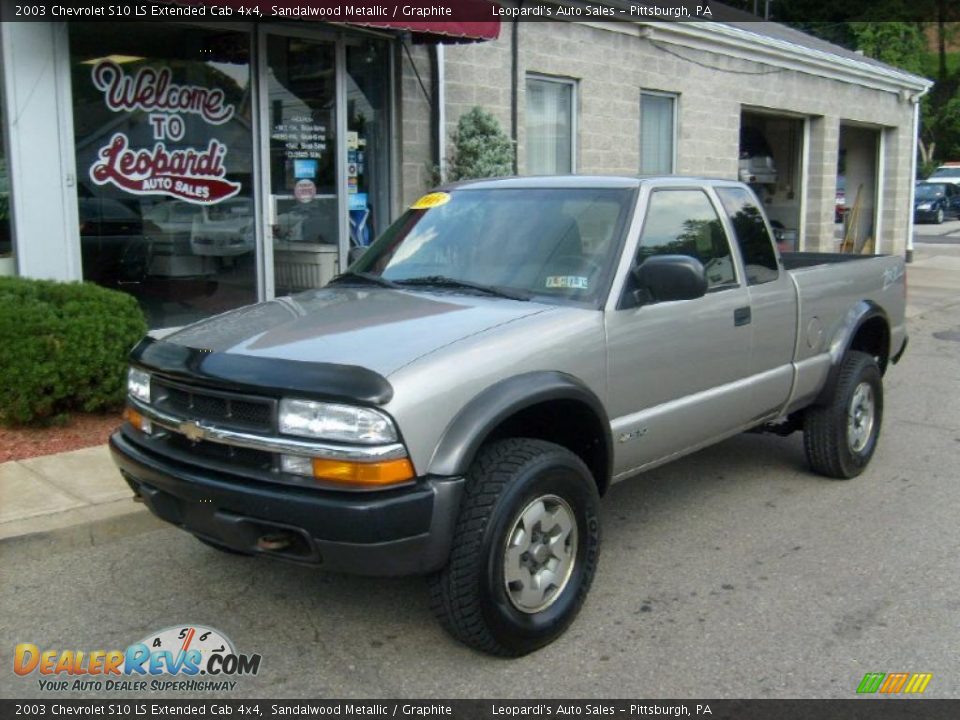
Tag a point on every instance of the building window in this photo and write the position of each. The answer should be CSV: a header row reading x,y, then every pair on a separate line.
x,y
551,126
658,126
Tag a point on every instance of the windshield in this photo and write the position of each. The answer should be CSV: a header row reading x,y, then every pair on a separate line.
x,y
929,192
558,244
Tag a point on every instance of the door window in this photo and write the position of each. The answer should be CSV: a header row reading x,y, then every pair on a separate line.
x,y
684,222
303,205
756,246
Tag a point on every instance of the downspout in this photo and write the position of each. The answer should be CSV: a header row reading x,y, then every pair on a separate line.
x,y
913,171
441,113
514,87
436,131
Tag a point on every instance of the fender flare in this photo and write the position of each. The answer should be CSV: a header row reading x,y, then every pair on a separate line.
x,y
466,433
855,319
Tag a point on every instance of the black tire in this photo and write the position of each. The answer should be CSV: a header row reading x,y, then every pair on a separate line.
x,y
827,442
939,217
221,548
470,596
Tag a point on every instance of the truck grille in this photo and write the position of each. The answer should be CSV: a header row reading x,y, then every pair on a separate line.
x,y
255,460
225,409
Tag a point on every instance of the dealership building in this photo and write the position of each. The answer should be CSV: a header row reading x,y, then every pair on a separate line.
x,y
203,165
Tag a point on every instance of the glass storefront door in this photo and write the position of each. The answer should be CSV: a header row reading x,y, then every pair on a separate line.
x,y
303,205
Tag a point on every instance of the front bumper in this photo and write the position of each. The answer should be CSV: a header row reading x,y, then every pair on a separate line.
x,y
406,531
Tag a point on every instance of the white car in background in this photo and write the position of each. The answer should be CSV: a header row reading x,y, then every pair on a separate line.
x,y
221,230
946,173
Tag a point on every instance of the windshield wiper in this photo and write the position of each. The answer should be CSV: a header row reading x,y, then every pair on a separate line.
x,y
444,281
364,277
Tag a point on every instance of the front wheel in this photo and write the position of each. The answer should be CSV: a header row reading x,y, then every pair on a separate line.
x,y
939,218
839,438
524,550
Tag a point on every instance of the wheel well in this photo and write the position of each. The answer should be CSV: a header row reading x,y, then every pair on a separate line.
x,y
873,338
568,423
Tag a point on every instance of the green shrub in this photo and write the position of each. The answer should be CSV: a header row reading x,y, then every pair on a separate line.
x,y
481,148
63,347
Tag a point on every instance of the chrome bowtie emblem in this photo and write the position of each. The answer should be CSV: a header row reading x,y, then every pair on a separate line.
x,y
191,430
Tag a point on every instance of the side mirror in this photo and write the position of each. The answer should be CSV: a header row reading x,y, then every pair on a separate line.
x,y
355,254
669,277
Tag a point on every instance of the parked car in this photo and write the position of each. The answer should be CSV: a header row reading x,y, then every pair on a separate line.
x,y
840,200
116,242
457,402
756,158
224,229
933,202
946,173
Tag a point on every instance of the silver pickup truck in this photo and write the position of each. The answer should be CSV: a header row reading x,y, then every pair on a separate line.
x,y
457,402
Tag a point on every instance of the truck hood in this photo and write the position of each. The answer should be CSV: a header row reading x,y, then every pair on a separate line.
x,y
377,328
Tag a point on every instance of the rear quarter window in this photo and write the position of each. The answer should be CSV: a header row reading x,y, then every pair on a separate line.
x,y
756,246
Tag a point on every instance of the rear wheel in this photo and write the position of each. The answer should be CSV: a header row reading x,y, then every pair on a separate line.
x,y
839,439
524,551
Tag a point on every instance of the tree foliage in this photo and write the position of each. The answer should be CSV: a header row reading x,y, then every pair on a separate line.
x,y
481,148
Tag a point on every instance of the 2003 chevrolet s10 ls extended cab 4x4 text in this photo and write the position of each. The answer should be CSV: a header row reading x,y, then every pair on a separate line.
x,y
457,402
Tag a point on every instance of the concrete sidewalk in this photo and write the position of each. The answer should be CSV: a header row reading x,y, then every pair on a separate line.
x,y
57,491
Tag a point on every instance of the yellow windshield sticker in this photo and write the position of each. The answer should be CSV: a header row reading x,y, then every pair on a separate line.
x,y
431,200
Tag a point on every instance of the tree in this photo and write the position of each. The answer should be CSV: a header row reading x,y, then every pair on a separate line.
x,y
481,148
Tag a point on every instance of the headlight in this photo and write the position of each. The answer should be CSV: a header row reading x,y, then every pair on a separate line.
x,y
924,206
331,421
138,384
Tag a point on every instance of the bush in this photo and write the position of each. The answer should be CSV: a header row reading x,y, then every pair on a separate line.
x,y
63,347
481,148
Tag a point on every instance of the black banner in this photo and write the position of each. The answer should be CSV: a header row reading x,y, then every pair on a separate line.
x,y
389,12
854,709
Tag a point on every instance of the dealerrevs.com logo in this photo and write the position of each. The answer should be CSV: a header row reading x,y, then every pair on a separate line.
x,y
181,657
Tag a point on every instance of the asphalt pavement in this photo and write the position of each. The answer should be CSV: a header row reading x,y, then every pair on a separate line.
x,y
735,572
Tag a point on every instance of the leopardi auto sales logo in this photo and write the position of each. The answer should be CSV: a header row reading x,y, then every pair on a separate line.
x,y
181,657
196,175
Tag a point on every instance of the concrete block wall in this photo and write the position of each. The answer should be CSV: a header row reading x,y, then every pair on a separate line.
x,y
612,64
414,122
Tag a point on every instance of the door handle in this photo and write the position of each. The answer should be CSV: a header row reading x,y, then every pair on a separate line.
x,y
741,316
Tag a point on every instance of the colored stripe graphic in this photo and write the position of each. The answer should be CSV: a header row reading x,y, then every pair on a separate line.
x,y
918,682
894,682
871,682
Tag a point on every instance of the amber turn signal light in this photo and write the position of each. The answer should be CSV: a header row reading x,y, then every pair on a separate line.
x,y
137,420
375,474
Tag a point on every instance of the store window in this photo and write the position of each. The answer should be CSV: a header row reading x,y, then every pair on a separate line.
x,y
658,113
164,150
368,138
550,126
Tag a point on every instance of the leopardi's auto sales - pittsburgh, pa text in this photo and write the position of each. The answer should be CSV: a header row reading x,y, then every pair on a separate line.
x,y
356,12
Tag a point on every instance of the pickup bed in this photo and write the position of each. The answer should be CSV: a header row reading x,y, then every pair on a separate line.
x,y
457,402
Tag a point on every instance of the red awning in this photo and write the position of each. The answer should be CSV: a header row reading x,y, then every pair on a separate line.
x,y
445,32
450,20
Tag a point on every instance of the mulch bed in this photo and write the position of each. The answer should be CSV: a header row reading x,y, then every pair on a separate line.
x,y
82,430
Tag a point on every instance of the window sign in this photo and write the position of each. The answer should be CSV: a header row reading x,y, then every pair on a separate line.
x,y
195,174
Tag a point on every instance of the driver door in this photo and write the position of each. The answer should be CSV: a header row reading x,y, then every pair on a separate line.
x,y
676,369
